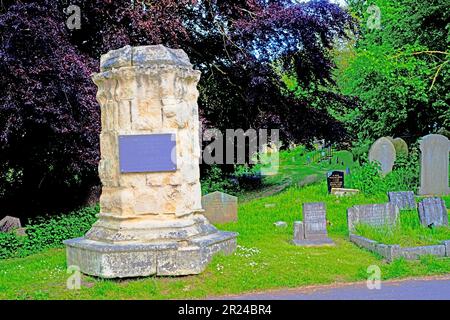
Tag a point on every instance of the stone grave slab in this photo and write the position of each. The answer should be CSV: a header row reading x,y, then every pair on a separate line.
x,y
433,212
377,215
405,200
312,231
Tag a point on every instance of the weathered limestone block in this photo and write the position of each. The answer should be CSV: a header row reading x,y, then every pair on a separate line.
x,y
145,115
150,219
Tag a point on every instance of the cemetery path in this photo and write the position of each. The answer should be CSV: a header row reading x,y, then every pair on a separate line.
x,y
431,288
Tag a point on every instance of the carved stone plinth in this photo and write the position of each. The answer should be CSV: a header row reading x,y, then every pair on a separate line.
x,y
151,219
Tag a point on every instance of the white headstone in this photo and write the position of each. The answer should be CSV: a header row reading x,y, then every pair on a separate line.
x,y
434,165
383,151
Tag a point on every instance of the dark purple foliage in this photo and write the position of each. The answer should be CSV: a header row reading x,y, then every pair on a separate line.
x,y
48,113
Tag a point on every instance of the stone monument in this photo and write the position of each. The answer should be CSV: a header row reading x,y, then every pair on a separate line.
x,y
401,147
404,200
383,151
312,231
377,215
434,149
335,180
220,207
9,223
433,212
150,220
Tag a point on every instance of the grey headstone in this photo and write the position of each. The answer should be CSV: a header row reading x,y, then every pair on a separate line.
x,y
313,229
433,212
220,207
383,151
434,165
404,200
377,215
401,147
9,223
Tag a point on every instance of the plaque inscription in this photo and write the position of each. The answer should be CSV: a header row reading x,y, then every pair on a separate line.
x,y
147,153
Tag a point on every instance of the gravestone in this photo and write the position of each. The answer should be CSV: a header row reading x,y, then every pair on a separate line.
x,y
343,192
433,212
404,200
312,231
383,151
401,147
9,223
434,149
335,179
151,219
220,207
376,215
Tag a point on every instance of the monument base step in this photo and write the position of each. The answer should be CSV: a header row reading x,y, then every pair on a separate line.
x,y
108,260
314,243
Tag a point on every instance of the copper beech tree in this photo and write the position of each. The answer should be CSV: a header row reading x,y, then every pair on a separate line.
x,y
49,117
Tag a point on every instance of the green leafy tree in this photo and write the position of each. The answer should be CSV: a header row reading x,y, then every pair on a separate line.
x,y
398,69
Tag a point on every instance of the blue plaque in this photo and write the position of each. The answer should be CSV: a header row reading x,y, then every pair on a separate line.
x,y
147,153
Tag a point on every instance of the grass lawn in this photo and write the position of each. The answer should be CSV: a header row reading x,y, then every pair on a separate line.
x,y
289,173
264,260
408,233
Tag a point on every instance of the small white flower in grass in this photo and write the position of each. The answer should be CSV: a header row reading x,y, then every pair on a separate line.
x,y
246,252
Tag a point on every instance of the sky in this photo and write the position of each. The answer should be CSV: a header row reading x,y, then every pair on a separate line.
x,y
341,2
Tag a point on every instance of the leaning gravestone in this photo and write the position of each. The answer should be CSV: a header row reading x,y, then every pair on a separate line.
x,y
376,215
335,180
434,165
433,212
150,220
404,200
220,207
312,231
383,151
9,223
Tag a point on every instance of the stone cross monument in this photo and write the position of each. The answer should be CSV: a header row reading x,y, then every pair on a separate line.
x,y
150,221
